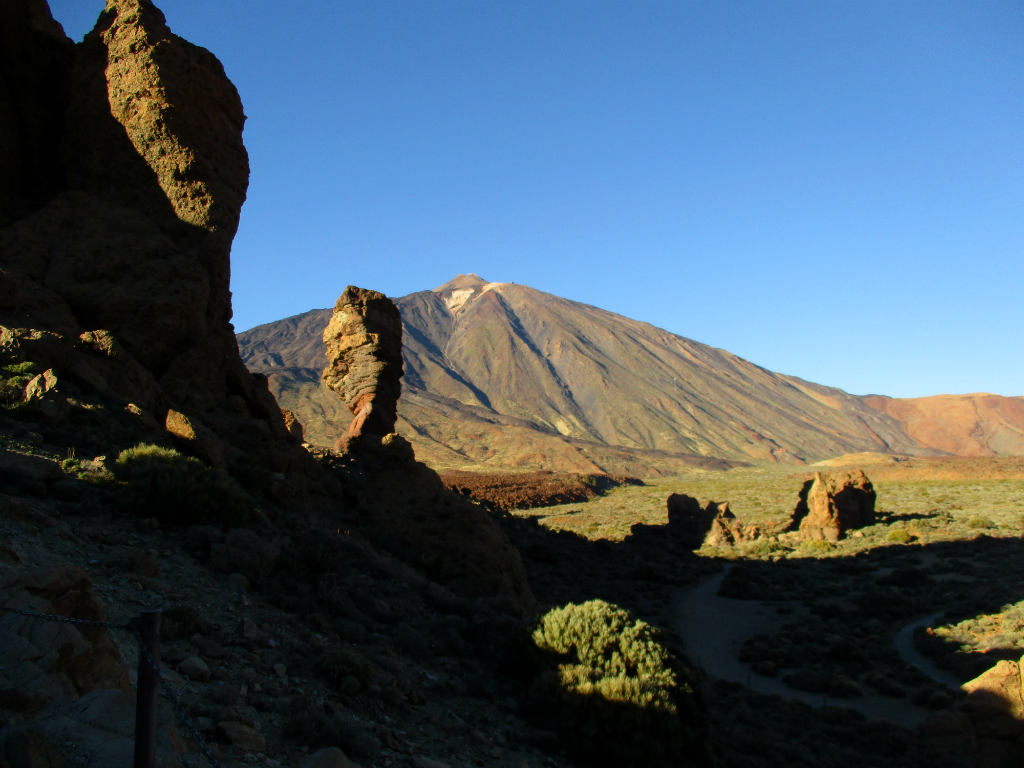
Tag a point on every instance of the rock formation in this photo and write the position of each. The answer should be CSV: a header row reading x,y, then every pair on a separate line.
x,y
832,503
364,361
687,519
987,729
122,175
726,528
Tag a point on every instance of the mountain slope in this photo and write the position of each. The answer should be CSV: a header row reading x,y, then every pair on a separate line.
x,y
501,375
964,425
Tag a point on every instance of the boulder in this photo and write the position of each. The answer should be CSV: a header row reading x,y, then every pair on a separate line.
x,y
242,737
47,662
832,503
995,700
711,524
364,361
688,520
987,729
726,528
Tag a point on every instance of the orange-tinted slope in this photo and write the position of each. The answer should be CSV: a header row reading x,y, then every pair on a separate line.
x,y
964,425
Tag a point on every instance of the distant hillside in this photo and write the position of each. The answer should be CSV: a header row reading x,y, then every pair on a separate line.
x,y
502,376
962,425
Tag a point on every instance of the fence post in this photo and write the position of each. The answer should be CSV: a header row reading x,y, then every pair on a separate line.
x,y
148,682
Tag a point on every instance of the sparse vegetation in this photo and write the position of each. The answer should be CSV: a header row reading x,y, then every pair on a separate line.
x,y
163,483
14,377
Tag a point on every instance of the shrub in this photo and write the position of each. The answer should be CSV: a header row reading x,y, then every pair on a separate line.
x,y
817,547
617,691
980,522
178,489
13,380
610,653
899,536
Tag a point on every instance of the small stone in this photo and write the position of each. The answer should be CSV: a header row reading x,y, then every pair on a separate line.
x,y
248,629
281,671
242,736
238,583
332,757
194,668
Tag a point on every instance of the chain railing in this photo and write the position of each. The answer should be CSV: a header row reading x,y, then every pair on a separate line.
x,y
146,628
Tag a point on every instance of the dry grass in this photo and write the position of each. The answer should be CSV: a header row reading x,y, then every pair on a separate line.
x,y
920,501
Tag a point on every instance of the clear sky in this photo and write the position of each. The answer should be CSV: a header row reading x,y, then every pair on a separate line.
x,y
832,189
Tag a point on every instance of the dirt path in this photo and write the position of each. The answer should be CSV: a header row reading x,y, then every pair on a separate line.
x,y
904,641
714,627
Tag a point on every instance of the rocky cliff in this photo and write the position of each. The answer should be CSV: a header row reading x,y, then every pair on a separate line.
x,y
122,179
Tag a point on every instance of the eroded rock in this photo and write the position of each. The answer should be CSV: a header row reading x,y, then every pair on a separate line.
x,y
364,361
832,503
727,529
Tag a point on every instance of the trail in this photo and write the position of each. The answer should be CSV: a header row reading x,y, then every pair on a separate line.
x,y
714,628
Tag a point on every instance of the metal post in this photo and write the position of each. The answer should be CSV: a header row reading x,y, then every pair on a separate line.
x,y
145,697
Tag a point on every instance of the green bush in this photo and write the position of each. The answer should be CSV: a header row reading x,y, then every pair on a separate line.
x,y
19,369
610,654
899,536
160,482
13,380
620,696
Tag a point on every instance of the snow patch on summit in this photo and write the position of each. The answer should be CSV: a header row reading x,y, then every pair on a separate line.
x,y
458,298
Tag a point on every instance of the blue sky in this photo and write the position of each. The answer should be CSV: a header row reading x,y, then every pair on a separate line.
x,y
832,189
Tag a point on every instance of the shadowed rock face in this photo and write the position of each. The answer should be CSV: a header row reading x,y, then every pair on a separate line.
x,y
364,361
832,503
122,176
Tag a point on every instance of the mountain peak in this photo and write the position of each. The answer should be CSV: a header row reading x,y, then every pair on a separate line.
x,y
461,282
462,288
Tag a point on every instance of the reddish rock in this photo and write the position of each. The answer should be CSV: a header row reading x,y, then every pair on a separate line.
x,y
294,426
54,660
832,503
726,528
194,438
987,729
995,700
364,361
180,112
